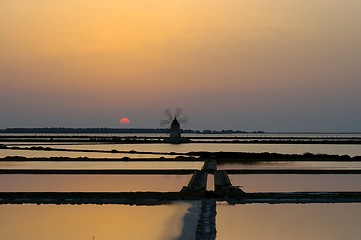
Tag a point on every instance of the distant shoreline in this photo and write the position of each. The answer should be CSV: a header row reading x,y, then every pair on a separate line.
x,y
51,138
63,130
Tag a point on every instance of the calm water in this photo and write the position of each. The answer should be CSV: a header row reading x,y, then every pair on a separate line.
x,y
254,221
59,222
92,183
297,182
351,150
100,165
289,221
291,165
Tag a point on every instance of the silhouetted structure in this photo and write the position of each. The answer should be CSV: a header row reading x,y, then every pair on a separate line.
x,y
175,130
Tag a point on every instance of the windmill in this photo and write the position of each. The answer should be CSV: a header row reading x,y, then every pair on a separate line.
x,y
173,121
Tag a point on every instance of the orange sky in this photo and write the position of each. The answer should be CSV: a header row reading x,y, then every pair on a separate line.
x,y
275,66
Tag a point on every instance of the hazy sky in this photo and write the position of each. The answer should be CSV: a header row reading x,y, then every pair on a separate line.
x,y
273,65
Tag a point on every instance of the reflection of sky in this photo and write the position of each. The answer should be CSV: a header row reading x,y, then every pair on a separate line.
x,y
297,182
100,165
289,221
291,165
89,222
341,149
92,183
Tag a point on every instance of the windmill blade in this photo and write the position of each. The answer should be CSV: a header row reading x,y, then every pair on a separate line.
x,y
178,112
164,123
169,114
183,120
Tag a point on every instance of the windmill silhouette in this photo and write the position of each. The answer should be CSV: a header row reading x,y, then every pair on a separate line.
x,y
174,121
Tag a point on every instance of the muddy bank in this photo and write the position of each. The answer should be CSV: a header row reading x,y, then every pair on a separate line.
x,y
159,198
41,148
206,227
128,198
293,171
86,159
297,197
101,171
229,157
220,157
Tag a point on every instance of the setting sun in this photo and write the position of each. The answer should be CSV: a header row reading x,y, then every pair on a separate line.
x,y
124,120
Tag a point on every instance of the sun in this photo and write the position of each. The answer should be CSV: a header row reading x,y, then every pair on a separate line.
x,y
124,120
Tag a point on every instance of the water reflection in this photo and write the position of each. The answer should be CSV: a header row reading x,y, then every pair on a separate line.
x,y
59,222
100,165
92,183
339,149
289,221
297,183
292,165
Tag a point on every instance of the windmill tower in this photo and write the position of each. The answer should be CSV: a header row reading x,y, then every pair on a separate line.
x,y
174,120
